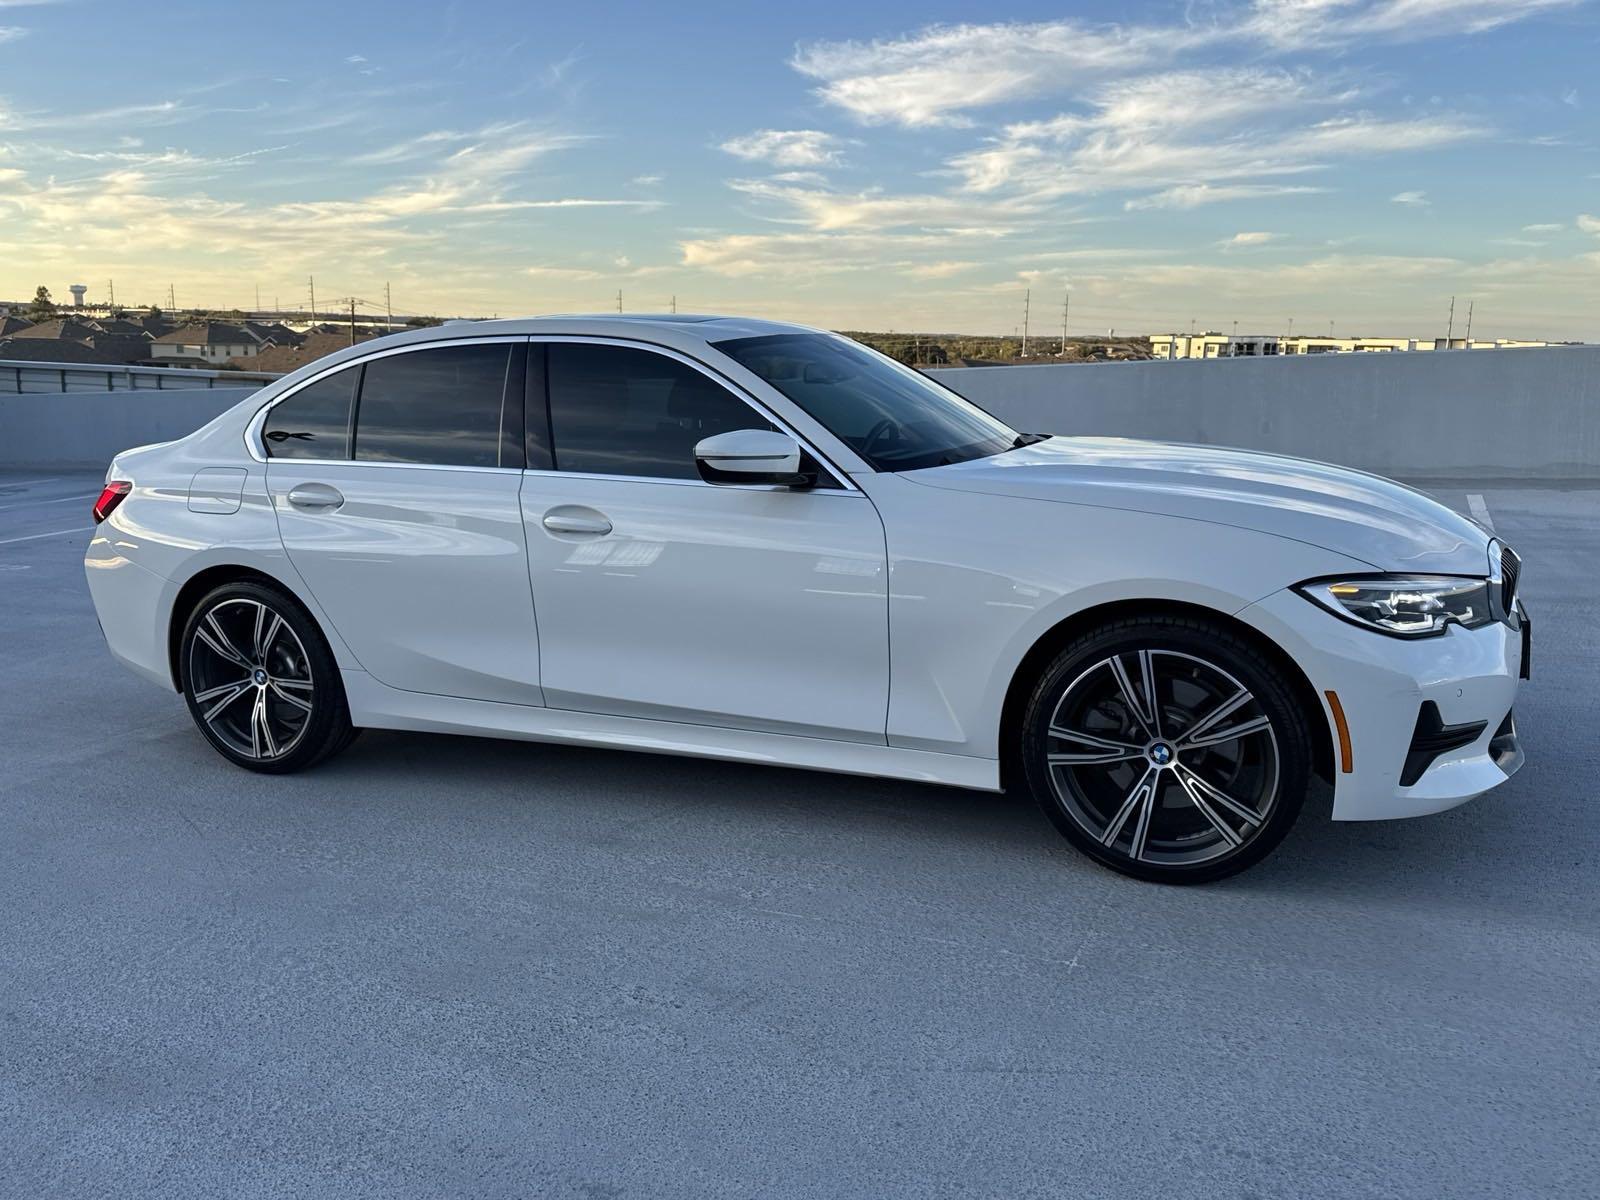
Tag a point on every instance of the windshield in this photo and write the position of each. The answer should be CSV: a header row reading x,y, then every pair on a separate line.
x,y
895,418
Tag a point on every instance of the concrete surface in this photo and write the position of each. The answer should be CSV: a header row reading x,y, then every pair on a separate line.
x,y
1480,414
452,967
1429,415
85,430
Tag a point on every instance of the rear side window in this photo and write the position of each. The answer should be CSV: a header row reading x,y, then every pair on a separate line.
x,y
315,421
620,411
438,406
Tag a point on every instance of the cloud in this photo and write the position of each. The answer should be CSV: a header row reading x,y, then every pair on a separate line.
x,y
939,74
1546,228
1413,199
1311,24
823,209
1588,224
786,147
940,270
1195,194
933,76
806,254
355,58
164,112
10,33
1254,238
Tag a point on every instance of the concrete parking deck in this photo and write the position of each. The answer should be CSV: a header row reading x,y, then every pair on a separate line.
x,y
445,966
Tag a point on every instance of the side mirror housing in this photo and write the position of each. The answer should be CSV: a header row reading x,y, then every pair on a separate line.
x,y
752,456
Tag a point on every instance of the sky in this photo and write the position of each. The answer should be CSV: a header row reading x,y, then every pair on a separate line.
x,y
1350,164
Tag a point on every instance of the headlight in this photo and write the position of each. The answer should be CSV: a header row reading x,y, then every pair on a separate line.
x,y
1406,606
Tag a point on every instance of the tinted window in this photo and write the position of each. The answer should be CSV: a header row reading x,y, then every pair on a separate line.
x,y
616,411
315,421
434,406
895,418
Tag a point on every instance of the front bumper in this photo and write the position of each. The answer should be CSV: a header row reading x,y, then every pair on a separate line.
x,y
1385,685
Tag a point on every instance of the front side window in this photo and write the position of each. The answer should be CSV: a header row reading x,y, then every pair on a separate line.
x,y
315,421
619,411
895,418
440,406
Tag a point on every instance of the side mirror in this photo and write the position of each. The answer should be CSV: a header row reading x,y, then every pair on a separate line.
x,y
752,456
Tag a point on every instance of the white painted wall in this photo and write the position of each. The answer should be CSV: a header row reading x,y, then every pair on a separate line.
x,y
1491,414
86,429
1483,414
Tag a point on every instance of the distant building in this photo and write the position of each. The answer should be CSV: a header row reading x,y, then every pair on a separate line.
x,y
204,343
62,329
1222,345
291,358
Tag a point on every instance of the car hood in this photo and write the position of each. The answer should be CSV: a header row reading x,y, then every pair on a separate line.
x,y
1361,516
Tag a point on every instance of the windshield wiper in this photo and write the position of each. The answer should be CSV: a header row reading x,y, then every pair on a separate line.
x,y
1028,439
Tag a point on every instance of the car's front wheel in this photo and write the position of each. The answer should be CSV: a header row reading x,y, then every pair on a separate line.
x,y
1167,748
260,681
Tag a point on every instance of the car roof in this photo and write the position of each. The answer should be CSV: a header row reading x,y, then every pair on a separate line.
x,y
679,331
709,327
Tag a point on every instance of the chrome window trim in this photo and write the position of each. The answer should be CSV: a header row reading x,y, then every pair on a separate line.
x,y
252,433
840,477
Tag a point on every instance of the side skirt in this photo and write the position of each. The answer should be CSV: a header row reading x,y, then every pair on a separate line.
x,y
376,706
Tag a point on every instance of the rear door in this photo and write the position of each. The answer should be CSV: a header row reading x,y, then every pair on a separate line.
x,y
395,483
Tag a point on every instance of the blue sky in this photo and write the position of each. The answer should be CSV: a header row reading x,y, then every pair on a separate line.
x,y
905,166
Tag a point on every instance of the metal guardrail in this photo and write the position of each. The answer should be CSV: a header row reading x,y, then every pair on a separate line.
x,y
19,377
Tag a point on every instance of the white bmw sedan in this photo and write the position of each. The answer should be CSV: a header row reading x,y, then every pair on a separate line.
x,y
754,541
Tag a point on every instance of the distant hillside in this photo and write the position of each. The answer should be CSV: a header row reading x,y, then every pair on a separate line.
x,y
959,349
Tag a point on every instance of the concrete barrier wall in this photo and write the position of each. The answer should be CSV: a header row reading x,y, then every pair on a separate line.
x,y
79,429
1508,414
1481,413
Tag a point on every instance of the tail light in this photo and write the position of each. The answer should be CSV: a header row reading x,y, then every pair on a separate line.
x,y
111,496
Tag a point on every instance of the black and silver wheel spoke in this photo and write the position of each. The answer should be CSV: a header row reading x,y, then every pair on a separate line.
x,y
1162,757
1096,749
275,672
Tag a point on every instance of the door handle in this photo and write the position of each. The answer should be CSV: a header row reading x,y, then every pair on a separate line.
x,y
576,520
315,496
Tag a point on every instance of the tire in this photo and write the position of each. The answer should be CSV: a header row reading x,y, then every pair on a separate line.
x,y
260,681
1196,787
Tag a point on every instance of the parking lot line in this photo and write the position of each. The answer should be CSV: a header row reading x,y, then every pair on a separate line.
x,y
33,537
1480,511
56,500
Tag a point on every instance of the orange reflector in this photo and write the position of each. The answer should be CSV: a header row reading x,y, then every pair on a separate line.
x,y
1345,761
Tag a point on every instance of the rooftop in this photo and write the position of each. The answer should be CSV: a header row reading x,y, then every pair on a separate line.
x,y
484,965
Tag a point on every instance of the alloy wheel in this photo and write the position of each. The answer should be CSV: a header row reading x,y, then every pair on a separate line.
x,y
250,679
1163,758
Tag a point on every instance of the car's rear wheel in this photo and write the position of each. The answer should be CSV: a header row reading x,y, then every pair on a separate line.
x,y
1167,748
260,681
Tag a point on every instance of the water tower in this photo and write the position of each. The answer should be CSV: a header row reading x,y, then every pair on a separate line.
x,y
78,290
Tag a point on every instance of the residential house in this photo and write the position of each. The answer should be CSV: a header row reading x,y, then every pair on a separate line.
x,y
205,343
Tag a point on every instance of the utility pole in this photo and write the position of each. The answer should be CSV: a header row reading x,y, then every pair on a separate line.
x,y
311,282
111,286
388,308
1027,307
619,299
674,304
1450,330
352,320
1066,305
1471,304
172,300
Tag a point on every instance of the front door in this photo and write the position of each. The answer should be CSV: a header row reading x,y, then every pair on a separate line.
x,y
411,538
661,596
